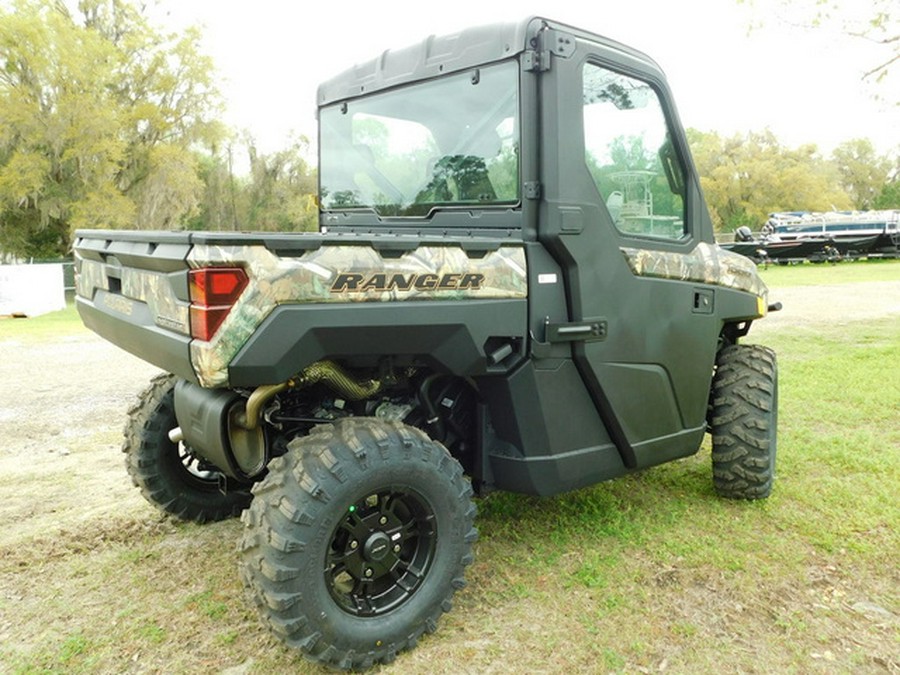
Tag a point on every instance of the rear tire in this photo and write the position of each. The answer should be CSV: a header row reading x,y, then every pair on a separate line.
x,y
744,421
167,473
356,540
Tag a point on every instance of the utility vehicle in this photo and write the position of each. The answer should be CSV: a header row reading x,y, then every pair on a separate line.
x,y
515,286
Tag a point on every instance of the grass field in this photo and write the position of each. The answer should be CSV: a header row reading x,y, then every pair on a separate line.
x,y
45,327
810,274
650,573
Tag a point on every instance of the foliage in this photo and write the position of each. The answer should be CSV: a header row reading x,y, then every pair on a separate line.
x,y
889,197
218,209
100,112
746,177
282,189
629,154
278,195
878,25
863,172
108,121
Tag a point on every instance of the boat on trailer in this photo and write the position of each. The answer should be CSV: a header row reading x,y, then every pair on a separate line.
x,y
854,233
802,235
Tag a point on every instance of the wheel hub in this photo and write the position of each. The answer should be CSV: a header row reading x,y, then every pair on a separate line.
x,y
381,552
377,547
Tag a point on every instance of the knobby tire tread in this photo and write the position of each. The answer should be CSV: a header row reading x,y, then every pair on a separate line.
x,y
743,421
146,446
289,505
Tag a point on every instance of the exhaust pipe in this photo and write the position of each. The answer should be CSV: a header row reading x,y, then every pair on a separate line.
x,y
338,379
225,429
327,372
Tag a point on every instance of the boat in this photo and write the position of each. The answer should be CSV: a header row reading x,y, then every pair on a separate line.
x,y
854,233
794,236
770,247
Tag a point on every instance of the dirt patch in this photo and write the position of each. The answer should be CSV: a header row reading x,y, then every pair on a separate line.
x,y
834,304
62,409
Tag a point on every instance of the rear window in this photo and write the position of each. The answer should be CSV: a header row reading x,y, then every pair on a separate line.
x,y
450,142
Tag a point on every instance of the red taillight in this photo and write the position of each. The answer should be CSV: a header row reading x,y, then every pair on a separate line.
x,y
212,286
213,290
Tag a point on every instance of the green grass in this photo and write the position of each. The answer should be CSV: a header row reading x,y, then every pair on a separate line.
x,y
65,322
630,542
840,397
811,274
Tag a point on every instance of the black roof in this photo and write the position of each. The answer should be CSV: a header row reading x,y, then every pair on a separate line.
x,y
438,55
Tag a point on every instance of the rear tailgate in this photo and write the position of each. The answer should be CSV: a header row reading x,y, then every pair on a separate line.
x,y
132,289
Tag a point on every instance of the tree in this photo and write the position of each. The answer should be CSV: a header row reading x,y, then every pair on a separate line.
x,y
889,197
746,177
223,193
875,22
278,195
629,154
100,113
863,172
282,188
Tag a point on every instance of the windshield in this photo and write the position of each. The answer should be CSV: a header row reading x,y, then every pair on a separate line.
x,y
447,142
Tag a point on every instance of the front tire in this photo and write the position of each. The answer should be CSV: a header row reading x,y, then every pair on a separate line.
x,y
357,539
744,421
168,474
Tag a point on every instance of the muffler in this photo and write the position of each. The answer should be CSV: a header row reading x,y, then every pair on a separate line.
x,y
212,423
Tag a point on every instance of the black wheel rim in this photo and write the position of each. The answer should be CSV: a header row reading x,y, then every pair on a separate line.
x,y
195,467
181,462
191,470
380,552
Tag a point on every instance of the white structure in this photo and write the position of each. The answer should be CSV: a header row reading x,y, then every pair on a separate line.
x,y
29,290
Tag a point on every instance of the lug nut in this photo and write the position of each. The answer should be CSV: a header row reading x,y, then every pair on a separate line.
x,y
354,544
383,520
369,572
396,548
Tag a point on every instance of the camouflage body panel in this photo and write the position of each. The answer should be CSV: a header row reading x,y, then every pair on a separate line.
x,y
89,277
706,264
344,274
151,288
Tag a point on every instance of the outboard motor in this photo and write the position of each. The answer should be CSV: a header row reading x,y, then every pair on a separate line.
x,y
743,233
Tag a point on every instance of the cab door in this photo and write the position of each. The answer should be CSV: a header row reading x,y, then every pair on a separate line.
x,y
621,211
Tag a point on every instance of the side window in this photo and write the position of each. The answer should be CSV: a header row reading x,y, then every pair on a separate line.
x,y
630,155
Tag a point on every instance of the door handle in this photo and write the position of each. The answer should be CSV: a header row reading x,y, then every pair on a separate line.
x,y
588,331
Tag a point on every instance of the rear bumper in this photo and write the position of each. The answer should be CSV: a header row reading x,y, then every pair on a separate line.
x,y
129,325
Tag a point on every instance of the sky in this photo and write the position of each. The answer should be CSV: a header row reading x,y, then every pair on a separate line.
x,y
804,84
